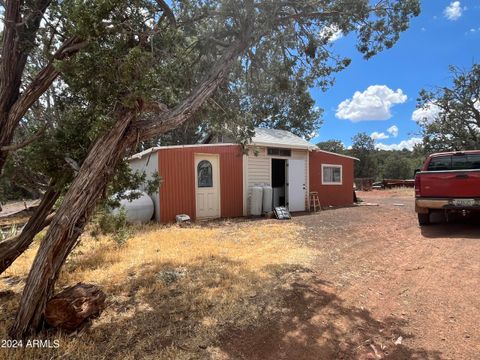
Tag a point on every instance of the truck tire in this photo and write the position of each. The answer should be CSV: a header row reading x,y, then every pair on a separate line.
x,y
423,219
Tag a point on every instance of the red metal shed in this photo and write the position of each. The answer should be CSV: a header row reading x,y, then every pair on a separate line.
x,y
331,175
179,191
216,180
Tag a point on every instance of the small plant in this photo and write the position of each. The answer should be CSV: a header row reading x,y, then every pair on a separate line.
x,y
107,223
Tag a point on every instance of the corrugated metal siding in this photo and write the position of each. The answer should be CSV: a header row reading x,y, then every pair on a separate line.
x,y
334,195
177,192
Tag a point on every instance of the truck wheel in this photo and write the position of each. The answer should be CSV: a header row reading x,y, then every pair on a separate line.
x,y
423,219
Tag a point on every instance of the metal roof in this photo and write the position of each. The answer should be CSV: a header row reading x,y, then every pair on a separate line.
x,y
156,148
279,138
262,137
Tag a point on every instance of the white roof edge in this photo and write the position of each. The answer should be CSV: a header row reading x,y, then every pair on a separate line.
x,y
156,148
332,153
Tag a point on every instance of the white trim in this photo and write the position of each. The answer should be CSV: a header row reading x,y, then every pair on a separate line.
x,y
245,177
333,166
341,155
307,194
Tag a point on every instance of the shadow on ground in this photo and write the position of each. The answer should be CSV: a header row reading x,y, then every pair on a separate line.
x,y
215,308
456,226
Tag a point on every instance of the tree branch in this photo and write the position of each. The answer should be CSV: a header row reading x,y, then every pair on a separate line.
x,y
154,107
44,79
167,11
178,115
35,137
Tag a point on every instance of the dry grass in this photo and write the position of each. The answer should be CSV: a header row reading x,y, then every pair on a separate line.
x,y
393,193
173,292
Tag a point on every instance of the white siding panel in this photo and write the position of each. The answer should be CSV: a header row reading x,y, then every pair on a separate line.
x,y
258,171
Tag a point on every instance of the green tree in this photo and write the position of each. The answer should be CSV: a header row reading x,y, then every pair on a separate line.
x,y
335,146
363,148
456,121
151,79
397,166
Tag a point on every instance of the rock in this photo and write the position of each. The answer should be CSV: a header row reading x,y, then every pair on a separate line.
x,y
399,341
74,306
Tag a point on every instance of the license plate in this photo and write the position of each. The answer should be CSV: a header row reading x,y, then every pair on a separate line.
x,y
463,202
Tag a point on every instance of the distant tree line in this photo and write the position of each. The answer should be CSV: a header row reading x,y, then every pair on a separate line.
x,y
378,164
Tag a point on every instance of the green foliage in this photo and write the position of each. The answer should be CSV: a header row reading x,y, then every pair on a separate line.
x,y
335,146
134,55
125,182
289,54
363,148
379,164
457,124
397,164
115,225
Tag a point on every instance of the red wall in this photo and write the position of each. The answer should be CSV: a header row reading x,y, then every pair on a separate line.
x,y
334,195
177,191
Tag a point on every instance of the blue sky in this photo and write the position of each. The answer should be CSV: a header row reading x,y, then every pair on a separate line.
x,y
446,33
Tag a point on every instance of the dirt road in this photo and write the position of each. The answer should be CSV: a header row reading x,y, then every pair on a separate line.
x,y
381,288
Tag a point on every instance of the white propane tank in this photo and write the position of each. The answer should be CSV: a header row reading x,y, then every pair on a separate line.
x,y
267,198
139,210
256,201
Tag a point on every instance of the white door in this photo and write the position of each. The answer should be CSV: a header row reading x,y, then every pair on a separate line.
x,y
297,189
207,186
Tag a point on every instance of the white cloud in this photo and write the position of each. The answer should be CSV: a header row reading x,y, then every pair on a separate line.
x,y
426,114
405,144
379,136
374,103
332,32
393,130
453,11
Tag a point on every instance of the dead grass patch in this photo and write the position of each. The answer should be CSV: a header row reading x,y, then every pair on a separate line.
x,y
172,292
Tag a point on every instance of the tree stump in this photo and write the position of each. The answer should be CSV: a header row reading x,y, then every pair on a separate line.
x,y
74,306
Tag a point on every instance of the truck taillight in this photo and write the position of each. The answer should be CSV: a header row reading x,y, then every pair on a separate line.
x,y
418,184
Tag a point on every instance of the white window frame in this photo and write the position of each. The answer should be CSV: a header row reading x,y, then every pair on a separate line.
x,y
332,166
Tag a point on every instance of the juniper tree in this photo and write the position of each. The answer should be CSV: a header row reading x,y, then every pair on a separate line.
x,y
159,72
455,124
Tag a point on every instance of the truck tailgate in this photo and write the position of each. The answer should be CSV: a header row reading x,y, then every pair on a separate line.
x,y
450,184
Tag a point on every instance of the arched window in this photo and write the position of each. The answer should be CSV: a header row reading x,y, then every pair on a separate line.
x,y
204,174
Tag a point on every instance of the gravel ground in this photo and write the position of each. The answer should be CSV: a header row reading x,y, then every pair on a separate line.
x,y
383,288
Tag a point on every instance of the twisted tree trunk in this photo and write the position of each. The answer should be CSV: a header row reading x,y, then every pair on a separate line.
x,y
12,248
89,184
68,224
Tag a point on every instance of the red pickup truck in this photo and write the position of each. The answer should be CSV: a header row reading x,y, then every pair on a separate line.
x,y
448,182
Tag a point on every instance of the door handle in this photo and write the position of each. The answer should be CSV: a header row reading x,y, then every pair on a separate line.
x,y
462,176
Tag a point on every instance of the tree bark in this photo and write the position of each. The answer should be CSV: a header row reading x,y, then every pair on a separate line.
x,y
88,186
68,224
12,248
171,119
12,111
17,42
